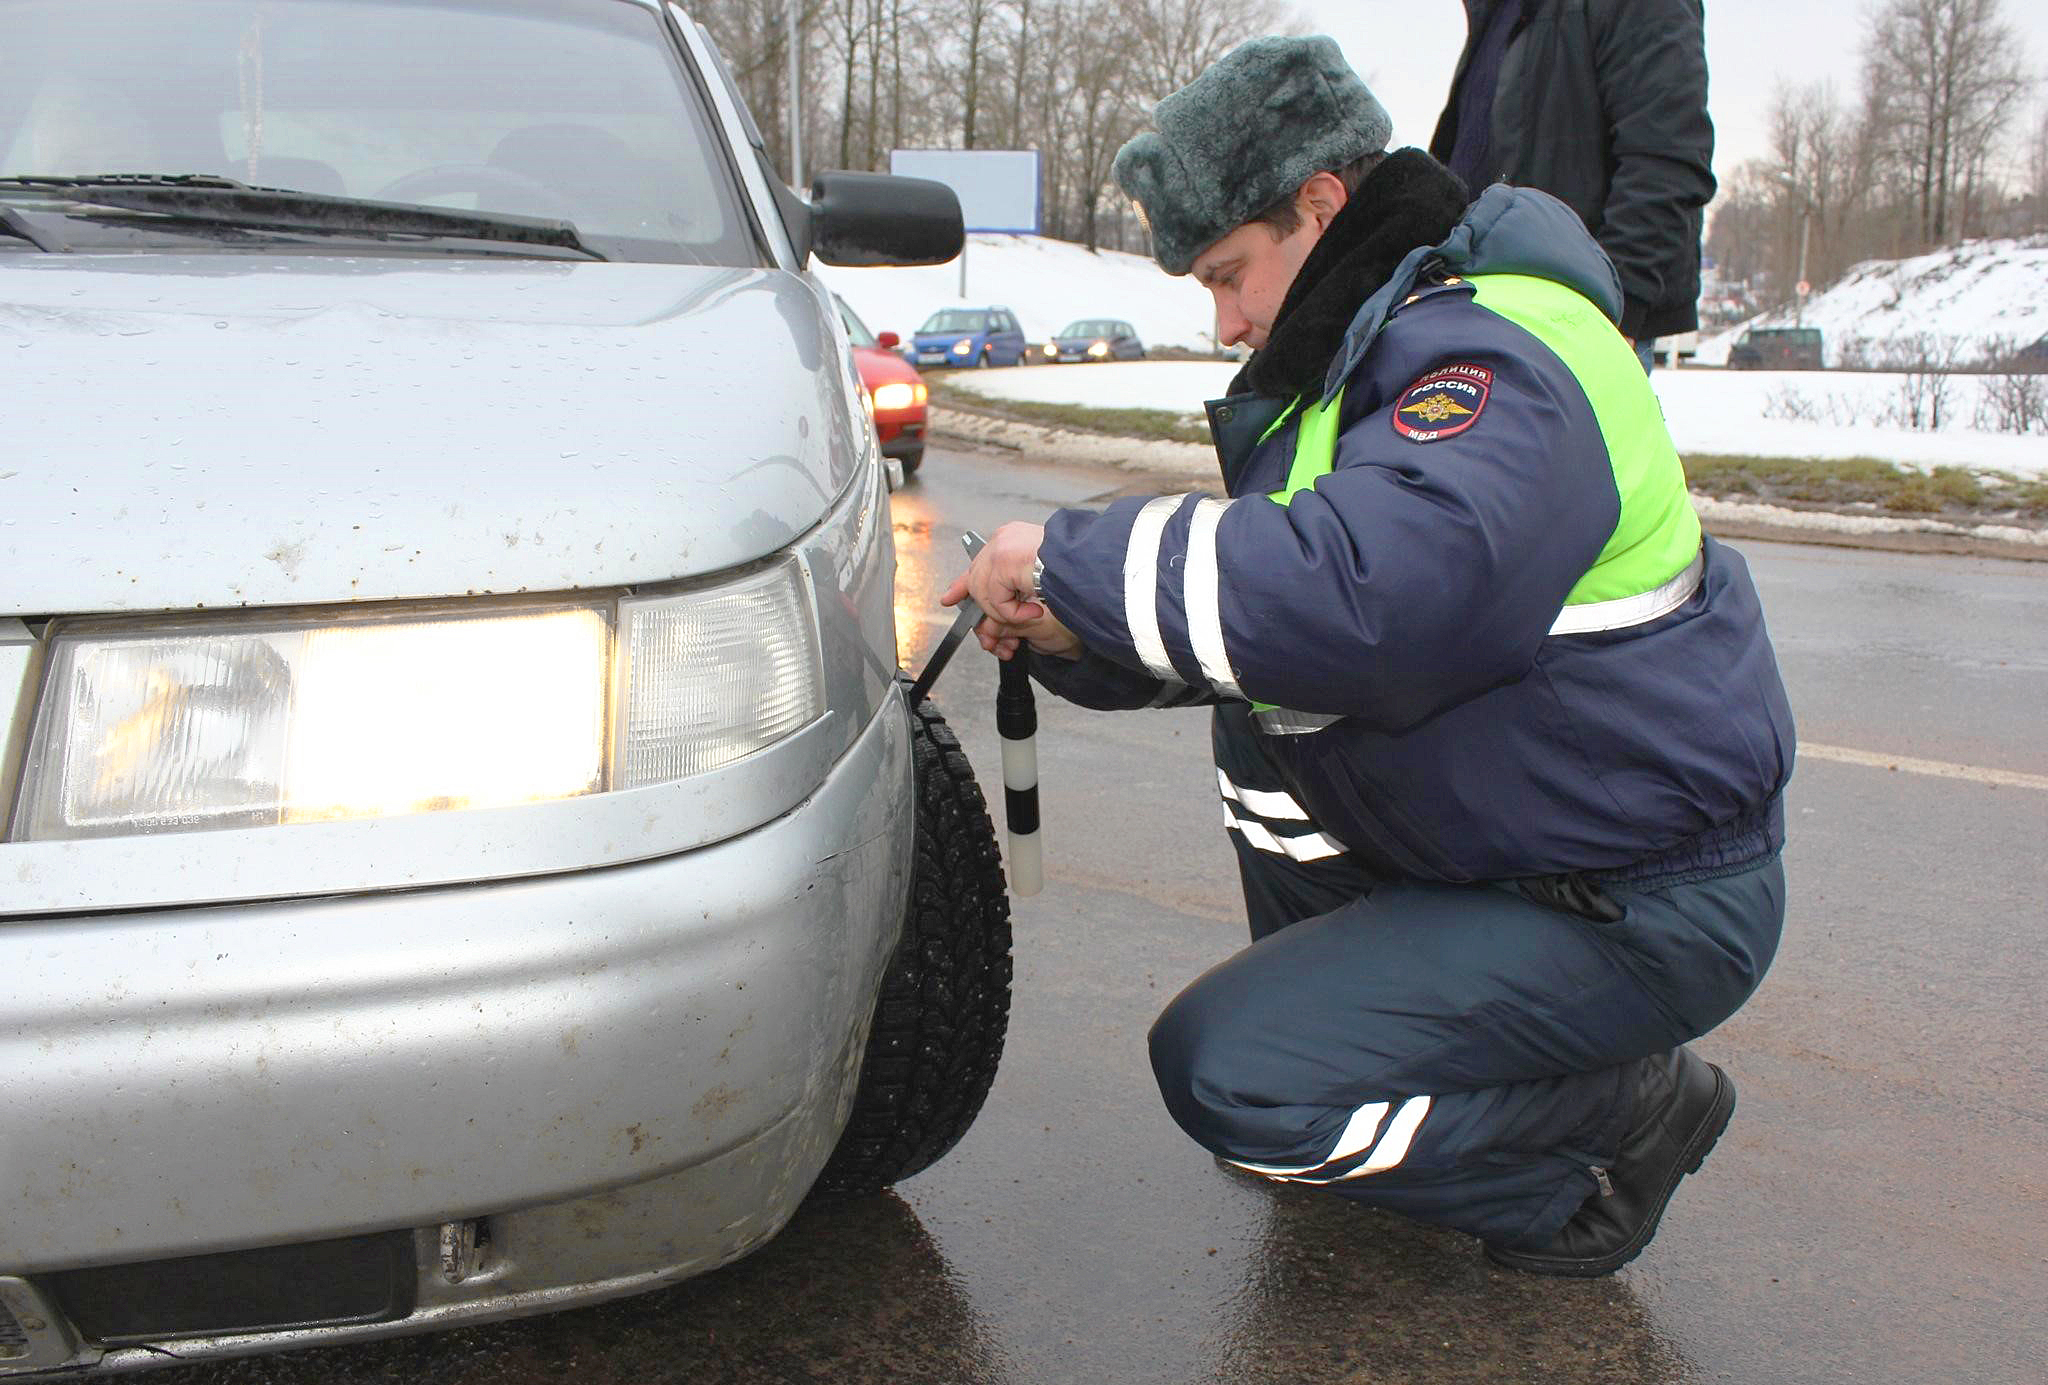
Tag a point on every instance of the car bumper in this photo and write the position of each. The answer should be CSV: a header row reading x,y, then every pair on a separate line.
x,y
900,435
628,1075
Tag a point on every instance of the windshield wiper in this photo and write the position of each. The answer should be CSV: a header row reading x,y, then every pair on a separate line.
x,y
203,198
40,237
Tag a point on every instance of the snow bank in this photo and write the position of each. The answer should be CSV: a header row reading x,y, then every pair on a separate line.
x,y
1977,294
1709,411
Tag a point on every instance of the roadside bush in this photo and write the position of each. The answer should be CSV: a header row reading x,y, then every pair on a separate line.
x,y
1927,363
2013,403
1790,404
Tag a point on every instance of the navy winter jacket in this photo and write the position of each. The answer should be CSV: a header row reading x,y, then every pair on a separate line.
x,y
1411,592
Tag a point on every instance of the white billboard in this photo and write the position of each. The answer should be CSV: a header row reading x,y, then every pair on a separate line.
x,y
998,188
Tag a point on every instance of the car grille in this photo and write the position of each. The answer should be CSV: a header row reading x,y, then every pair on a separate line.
x,y
13,1340
357,1279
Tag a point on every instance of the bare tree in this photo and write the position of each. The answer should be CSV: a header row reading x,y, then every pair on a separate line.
x,y
2036,178
1174,40
1107,116
1949,78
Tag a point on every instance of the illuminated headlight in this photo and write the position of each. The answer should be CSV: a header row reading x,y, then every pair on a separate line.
x,y
1098,349
961,348
1051,350
196,724
897,394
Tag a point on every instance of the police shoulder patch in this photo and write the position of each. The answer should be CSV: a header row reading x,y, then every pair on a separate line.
x,y
1443,403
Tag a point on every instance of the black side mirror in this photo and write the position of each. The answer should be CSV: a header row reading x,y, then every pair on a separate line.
x,y
883,219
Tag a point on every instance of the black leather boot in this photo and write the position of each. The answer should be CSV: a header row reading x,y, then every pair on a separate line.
x,y
1682,1105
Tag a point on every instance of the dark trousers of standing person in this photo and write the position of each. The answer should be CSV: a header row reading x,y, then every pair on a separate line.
x,y
1467,1055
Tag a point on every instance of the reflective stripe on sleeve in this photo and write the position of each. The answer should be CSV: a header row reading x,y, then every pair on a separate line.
x,y
1141,584
1204,597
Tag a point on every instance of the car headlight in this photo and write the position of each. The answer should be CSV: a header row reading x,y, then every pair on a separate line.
x,y
1098,349
194,724
897,394
1051,350
962,347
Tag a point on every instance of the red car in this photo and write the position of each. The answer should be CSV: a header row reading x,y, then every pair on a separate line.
x,y
894,387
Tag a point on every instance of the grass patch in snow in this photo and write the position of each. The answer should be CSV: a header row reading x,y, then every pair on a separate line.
x,y
1866,482
1148,424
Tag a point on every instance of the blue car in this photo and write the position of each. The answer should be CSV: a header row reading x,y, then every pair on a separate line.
x,y
1096,339
969,337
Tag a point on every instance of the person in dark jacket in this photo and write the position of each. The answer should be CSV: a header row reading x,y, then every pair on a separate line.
x,y
1499,732
1602,104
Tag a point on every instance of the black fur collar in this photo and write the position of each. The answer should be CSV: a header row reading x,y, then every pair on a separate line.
x,y
1409,200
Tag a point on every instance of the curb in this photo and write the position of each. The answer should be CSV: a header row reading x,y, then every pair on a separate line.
x,y
1184,465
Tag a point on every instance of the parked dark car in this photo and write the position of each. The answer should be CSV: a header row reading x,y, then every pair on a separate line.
x,y
1777,348
1096,339
969,337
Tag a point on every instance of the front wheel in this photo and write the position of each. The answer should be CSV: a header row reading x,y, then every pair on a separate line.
x,y
945,1003
912,460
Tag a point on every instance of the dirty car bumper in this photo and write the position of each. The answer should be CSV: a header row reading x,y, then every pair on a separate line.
x,y
629,1074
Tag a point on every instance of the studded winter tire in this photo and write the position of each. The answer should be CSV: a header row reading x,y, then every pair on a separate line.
x,y
945,1003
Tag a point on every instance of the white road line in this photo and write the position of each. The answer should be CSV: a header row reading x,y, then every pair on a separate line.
x,y
1940,769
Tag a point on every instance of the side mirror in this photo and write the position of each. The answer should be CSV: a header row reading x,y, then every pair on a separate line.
x,y
888,341
883,219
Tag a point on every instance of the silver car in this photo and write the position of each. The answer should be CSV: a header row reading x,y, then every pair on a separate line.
x,y
464,848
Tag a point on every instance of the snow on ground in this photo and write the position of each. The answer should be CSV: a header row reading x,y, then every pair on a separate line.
x,y
1709,411
1047,283
1980,291
1978,294
1742,413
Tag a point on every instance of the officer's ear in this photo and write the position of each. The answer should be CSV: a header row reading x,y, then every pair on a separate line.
x,y
1320,198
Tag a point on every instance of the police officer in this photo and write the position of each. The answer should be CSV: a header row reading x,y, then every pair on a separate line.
x,y
1499,732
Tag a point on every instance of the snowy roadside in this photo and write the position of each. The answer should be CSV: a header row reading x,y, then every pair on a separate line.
x,y
1177,466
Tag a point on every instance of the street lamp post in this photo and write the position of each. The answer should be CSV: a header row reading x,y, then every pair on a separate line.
x,y
1799,289
796,117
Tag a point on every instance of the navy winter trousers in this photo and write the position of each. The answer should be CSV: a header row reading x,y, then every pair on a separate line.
x,y
1461,1054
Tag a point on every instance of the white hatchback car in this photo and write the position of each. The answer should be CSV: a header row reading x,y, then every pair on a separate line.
x,y
464,848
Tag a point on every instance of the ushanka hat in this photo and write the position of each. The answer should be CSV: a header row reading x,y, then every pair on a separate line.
x,y
1262,120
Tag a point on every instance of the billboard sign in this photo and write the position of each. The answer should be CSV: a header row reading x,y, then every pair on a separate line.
x,y
997,188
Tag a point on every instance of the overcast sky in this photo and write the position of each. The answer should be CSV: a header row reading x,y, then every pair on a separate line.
x,y
1407,49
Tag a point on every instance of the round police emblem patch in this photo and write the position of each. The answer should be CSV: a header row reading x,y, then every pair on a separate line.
x,y
1443,403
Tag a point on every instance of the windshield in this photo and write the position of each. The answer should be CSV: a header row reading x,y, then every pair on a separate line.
x,y
954,320
856,331
1092,327
578,111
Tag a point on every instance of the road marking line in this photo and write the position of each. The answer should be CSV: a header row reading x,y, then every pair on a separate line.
x,y
1940,769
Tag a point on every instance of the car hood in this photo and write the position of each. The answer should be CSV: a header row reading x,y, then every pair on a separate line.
x,y
211,430
879,367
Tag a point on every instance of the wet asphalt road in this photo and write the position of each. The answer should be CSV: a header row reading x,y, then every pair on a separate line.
x,y
1877,1212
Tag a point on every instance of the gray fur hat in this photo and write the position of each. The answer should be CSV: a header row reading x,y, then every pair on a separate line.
x,y
1262,120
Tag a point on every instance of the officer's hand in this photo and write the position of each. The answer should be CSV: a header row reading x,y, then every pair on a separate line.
x,y
1045,635
999,580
